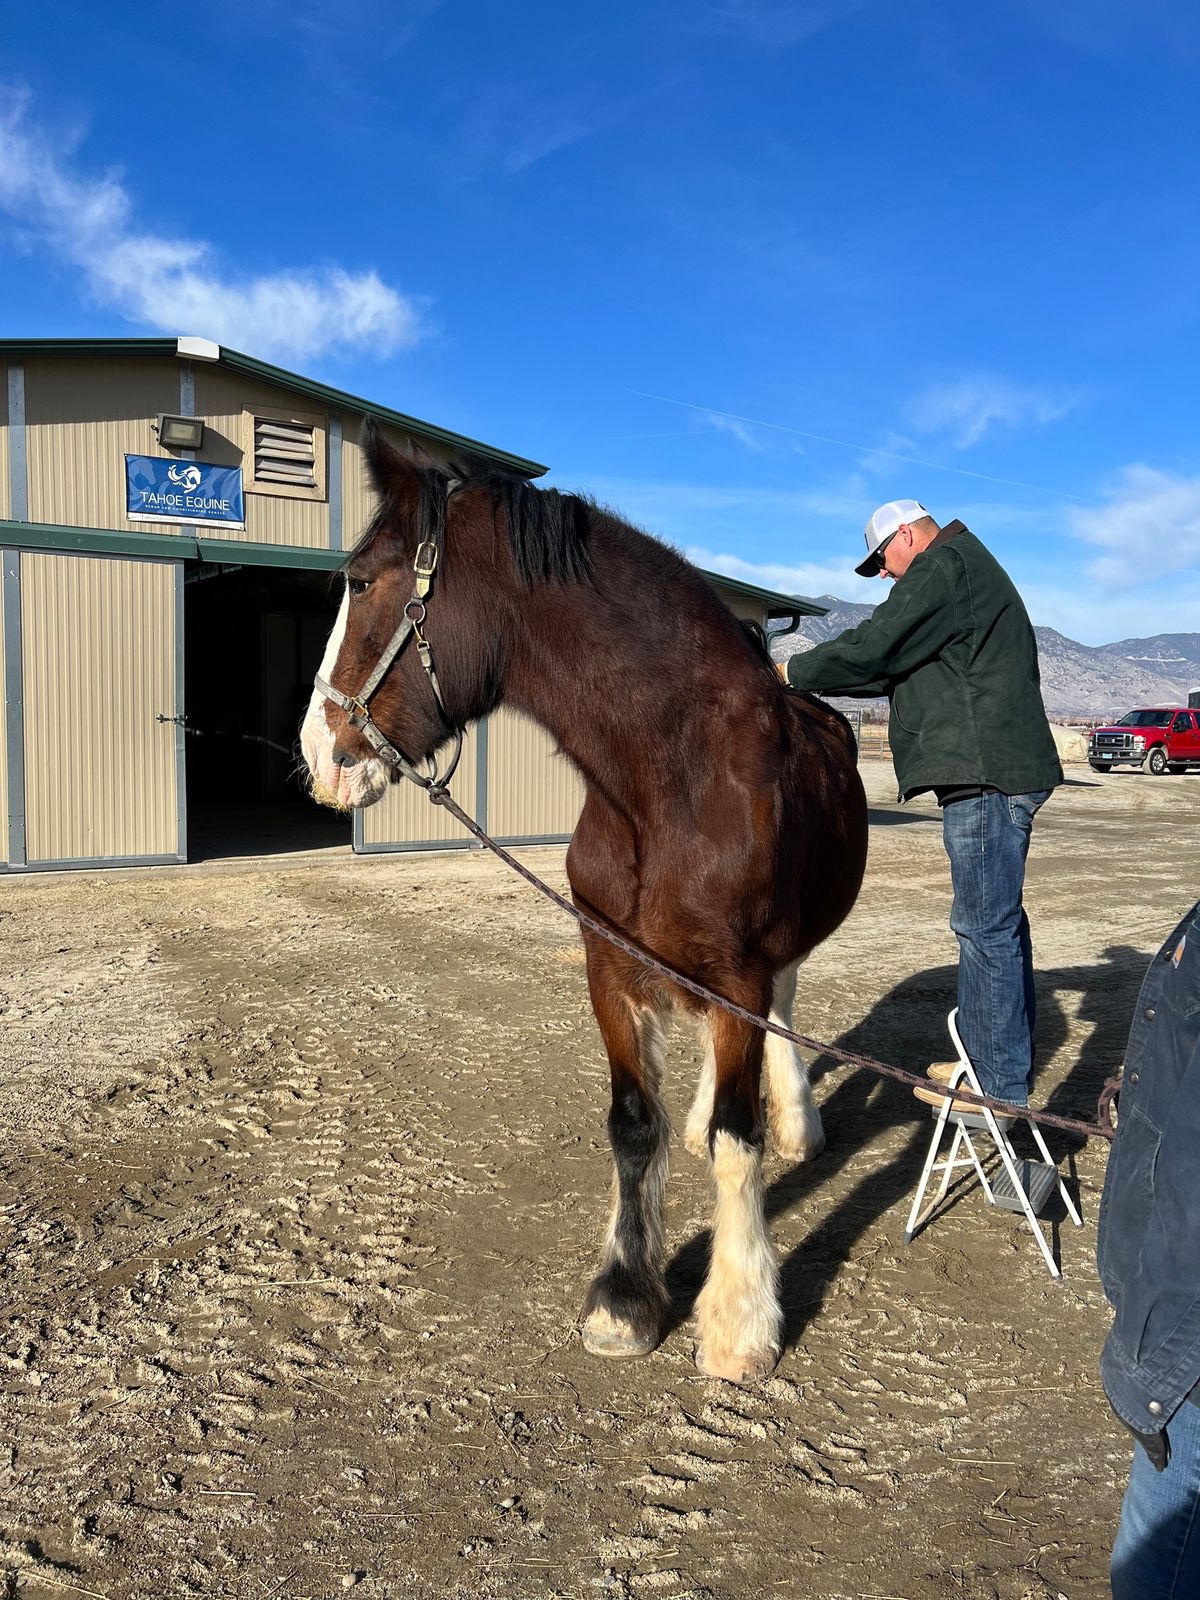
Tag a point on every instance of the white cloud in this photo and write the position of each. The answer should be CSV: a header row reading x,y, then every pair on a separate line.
x,y
803,578
967,408
906,458
741,431
179,285
1149,525
1095,616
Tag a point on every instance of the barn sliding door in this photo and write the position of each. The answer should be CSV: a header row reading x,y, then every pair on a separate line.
x,y
101,656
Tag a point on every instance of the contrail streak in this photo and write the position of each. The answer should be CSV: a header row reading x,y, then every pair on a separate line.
x,y
863,449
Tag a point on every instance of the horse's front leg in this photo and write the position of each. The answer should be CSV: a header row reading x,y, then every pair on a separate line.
x,y
738,1312
626,1306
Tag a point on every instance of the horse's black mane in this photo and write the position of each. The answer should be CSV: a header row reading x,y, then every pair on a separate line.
x,y
548,530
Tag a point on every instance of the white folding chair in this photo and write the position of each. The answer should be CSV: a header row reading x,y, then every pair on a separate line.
x,y
1021,1186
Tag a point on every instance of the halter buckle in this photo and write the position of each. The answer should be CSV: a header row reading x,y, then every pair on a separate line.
x,y
425,565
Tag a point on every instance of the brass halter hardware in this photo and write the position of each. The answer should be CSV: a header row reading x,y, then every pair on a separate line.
x,y
425,563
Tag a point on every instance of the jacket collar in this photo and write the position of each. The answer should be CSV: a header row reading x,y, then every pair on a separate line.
x,y
950,531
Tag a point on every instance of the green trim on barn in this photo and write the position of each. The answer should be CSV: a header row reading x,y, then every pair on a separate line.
x,y
163,546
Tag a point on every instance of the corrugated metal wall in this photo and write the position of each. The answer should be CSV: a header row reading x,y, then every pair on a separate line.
x,y
98,656
3,751
405,816
4,474
270,518
532,793
81,418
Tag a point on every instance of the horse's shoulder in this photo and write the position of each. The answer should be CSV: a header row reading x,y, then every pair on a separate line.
x,y
602,863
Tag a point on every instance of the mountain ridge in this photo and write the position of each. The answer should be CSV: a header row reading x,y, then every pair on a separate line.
x,y
1078,680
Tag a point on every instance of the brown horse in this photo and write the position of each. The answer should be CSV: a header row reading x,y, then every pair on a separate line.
x,y
724,827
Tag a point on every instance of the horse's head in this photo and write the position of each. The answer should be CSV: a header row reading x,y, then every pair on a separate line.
x,y
419,506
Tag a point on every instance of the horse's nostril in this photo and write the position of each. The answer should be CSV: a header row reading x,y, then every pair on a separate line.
x,y
342,759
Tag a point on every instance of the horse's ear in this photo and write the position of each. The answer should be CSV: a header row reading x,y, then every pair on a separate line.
x,y
390,472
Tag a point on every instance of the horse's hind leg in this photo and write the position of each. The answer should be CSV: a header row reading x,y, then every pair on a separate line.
x,y
738,1312
794,1120
626,1305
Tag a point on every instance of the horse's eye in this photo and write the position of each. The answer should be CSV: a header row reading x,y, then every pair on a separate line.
x,y
358,585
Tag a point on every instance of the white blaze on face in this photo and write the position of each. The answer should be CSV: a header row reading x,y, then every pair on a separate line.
x,y
359,785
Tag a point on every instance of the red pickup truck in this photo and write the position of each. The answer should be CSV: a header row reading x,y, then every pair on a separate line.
x,y
1161,738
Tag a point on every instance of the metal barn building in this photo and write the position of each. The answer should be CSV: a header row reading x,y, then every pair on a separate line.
x,y
171,513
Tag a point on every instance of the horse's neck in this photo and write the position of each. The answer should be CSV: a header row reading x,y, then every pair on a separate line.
x,y
616,685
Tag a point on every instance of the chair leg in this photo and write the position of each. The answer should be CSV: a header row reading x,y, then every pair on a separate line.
x,y
1062,1188
915,1216
1009,1157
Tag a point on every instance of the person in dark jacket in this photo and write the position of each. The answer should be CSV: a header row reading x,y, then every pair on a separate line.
x,y
1148,1252
953,649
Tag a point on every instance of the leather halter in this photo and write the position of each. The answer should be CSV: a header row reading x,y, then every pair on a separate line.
x,y
425,565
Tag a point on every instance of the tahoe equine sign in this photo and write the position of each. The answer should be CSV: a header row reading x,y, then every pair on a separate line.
x,y
158,489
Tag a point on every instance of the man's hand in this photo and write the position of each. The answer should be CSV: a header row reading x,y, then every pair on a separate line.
x,y
781,669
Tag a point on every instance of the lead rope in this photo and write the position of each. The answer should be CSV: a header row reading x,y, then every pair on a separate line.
x,y
1049,1119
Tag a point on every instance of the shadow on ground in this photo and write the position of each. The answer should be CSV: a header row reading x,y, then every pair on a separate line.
x,y
908,1028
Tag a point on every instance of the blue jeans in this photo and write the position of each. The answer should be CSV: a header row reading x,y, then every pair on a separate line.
x,y
1157,1552
987,840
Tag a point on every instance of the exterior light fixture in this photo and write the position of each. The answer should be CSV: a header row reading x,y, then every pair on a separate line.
x,y
179,433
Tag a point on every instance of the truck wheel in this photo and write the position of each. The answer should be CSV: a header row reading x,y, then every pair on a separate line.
x,y
1157,761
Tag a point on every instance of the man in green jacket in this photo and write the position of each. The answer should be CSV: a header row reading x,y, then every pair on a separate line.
x,y
953,649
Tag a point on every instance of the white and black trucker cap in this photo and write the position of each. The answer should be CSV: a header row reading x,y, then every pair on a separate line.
x,y
881,525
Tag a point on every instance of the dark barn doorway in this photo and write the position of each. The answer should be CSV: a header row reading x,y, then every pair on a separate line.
x,y
253,638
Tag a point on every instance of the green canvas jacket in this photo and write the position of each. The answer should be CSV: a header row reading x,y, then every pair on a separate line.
x,y
953,649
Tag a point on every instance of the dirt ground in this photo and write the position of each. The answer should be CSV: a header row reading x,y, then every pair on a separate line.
x,y
304,1181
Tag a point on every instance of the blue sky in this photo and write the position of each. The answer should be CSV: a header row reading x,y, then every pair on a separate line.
x,y
742,268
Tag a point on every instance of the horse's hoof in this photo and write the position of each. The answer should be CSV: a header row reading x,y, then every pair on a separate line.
x,y
606,1335
798,1137
695,1141
737,1366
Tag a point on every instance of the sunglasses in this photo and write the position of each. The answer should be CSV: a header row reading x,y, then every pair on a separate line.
x,y
880,563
